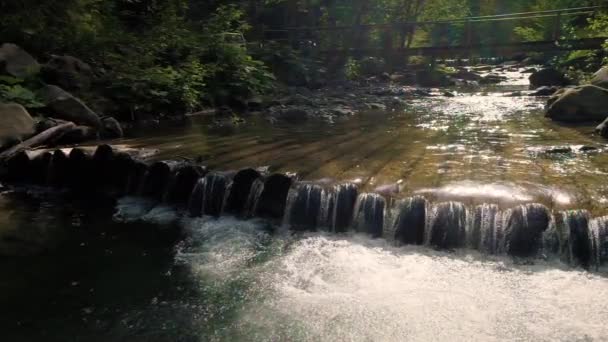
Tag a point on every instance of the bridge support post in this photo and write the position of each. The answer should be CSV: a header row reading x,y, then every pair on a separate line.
x,y
557,26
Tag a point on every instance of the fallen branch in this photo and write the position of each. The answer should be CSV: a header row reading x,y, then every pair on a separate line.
x,y
39,139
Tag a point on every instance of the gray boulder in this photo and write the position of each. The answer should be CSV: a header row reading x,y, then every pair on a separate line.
x,y
600,78
16,62
548,77
579,104
68,72
111,128
65,106
15,123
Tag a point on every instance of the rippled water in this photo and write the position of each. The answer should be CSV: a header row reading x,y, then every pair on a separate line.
x,y
480,145
92,269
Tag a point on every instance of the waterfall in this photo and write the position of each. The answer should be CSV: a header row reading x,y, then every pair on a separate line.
x,y
208,196
524,229
569,238
251,205
409,225
271,202
446,225
369,214
527,230
240,191
304,206
182,182
598,234
341,207
487,229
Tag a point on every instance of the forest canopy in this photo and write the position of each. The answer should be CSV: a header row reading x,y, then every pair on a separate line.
x,y
179,55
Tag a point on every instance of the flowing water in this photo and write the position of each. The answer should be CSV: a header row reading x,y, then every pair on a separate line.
x,y
465,254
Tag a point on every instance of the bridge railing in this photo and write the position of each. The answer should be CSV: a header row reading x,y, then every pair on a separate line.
x,y
461,33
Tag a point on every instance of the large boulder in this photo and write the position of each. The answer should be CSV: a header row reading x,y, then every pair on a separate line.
x,y
579,104
16,62
111,128
600,78
15,123
65,106
68,72
548,77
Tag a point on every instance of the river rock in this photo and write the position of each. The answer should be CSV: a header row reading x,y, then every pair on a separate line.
x,y
548,77
545,91
111,128
15,123
65,106
492,79
600,78
68,72
16,62
579,104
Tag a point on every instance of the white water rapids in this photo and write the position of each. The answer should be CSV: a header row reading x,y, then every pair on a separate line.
x,y
318,287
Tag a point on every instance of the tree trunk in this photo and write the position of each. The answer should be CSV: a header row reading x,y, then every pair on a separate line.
x,y
40,139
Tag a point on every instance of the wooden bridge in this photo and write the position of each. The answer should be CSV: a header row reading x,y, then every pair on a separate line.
x,y
457,38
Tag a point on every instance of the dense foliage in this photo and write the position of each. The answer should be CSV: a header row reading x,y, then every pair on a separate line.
x,y
175,56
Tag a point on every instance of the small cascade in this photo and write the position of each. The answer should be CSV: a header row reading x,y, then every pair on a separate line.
x,y
182,182
251,205
446,225
524,229
409,225
340,206
487,229
209,194
304,206
271,202
369,214
242,186
569,238
598,234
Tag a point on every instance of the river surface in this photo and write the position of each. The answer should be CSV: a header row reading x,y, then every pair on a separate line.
x,y
482,145
77,268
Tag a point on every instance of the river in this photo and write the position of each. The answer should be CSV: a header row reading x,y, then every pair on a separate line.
x,y
80,268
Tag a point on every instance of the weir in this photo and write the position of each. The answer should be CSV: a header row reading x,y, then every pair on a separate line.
x,y
526,231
